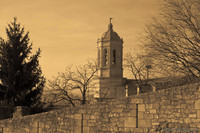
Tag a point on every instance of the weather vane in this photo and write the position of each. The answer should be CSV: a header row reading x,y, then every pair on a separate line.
x,y
110,19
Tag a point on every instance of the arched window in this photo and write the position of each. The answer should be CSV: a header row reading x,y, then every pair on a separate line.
x,y
98,57
114,57
106,56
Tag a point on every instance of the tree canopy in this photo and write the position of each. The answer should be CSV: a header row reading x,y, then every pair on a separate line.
x,y
21,79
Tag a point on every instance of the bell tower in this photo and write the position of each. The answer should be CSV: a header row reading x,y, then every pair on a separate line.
x,y
110,72
110,54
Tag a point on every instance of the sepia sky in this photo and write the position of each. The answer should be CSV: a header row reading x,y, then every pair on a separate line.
x,y
67,30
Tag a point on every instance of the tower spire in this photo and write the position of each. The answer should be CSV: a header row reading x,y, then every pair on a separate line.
x,y
110,20
110,26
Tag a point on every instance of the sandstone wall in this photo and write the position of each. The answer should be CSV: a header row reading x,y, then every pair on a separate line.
x,y
175,109
112,87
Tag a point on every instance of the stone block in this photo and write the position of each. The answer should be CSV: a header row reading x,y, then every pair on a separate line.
x,y
144,123
6,130
179,96
136,100
105,119
194,120
84,122
34,130
115,129
192,115
174,120
198,113
133,112
155,123
133,100
141,107
153,111
140,114
198,125
197,104
77,116
156,105
94,117
133,106
127,130
77,122
187,120
148,106
141,101
86,129
129,122
119,110
77,129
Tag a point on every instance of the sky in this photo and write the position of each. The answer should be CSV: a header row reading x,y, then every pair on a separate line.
x,y
67,30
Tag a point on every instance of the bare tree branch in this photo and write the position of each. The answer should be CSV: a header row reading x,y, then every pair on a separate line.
x,y
73,84
139,66
174,38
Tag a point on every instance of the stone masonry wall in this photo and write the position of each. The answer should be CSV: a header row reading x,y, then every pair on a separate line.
x,y
112,87
175,109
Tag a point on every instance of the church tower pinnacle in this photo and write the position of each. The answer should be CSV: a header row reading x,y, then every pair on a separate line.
x,y
110,25
110,52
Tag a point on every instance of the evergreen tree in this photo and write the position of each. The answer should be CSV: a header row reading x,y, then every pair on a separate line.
x,y
21,80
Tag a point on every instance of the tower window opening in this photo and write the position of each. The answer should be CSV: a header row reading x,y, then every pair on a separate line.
x,y
114,57
106,56
98,57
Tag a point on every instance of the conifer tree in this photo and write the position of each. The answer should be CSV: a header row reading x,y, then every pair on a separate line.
x,y
21,79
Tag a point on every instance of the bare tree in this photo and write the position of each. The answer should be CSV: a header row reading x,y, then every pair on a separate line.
x,y
73,85
139,66
173,39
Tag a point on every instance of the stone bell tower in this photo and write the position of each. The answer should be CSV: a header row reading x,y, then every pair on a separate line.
x,y
111,82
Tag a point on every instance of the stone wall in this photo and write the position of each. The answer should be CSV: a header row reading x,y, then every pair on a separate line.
x,y
170,109
175,109
112,87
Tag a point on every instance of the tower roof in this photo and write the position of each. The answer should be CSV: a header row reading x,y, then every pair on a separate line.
x,y
110,34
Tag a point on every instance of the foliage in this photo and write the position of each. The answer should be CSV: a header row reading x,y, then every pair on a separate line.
x,y
21,80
